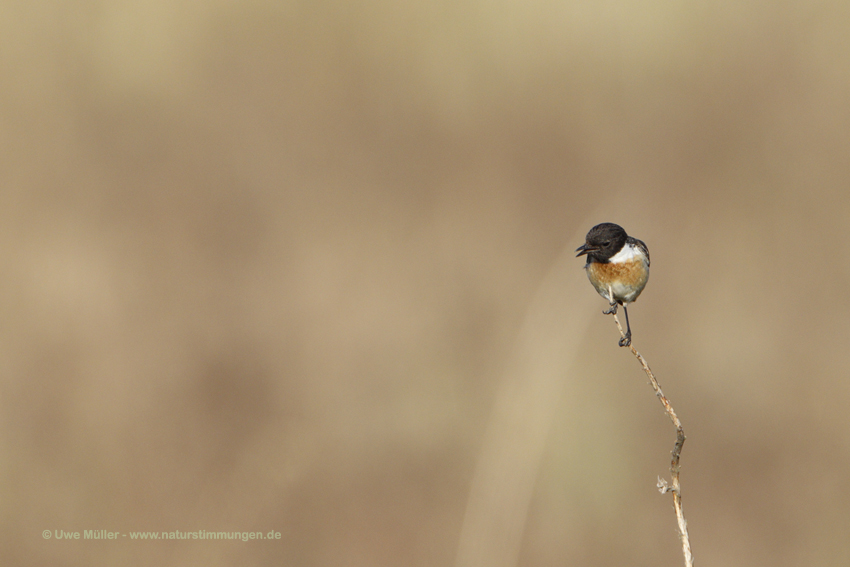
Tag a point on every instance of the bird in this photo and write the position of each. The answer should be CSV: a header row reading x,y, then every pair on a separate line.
x,y
617,266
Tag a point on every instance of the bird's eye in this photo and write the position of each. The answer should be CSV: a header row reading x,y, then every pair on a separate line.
x,y
606,243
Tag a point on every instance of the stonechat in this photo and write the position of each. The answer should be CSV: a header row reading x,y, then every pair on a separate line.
x,y
617,266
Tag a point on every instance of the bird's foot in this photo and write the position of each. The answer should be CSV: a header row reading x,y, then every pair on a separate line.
x,y
627,340
612,310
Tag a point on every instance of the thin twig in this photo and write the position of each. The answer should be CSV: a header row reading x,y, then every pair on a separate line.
x,y
677,451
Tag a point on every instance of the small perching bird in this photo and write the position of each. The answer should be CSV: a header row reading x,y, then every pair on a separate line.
x,y
617,266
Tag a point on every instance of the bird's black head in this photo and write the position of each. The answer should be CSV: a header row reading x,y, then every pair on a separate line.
x,y
602,242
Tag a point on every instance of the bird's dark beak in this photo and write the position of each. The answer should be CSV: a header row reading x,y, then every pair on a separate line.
x,y
585,249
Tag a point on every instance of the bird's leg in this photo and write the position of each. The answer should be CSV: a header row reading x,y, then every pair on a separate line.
x,y
612,310
627,340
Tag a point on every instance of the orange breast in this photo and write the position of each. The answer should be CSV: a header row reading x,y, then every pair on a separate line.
x,y
627,279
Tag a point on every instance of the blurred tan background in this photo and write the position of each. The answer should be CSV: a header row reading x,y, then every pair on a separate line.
x,y
307,267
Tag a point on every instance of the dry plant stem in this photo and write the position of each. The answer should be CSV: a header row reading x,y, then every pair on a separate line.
x,y
677,451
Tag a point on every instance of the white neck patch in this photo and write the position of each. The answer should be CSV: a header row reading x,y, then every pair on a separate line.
x,y
629,253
